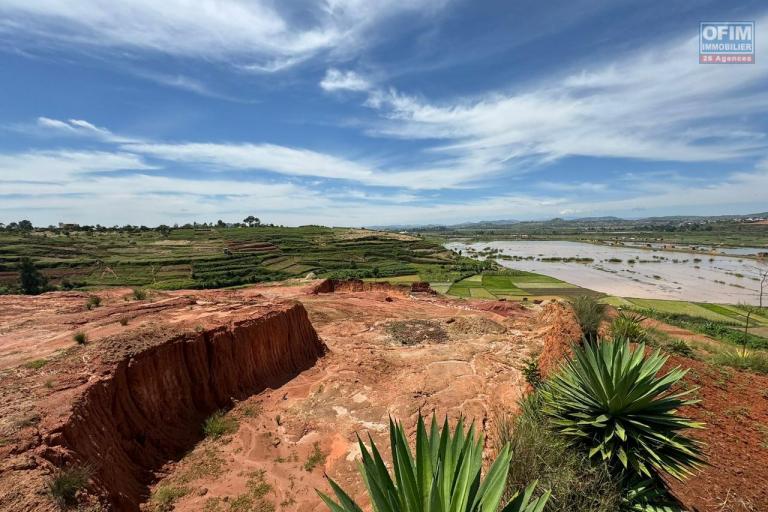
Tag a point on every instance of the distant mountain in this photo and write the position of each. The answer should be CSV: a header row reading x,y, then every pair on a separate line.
x,y
486,224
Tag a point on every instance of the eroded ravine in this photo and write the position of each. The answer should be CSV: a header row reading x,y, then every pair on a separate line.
x,y
148,408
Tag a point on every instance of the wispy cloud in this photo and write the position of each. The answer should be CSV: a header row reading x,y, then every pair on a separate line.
x,y
85,187
63,165
82,128
265,157
653,104
336,80
259,35
292,161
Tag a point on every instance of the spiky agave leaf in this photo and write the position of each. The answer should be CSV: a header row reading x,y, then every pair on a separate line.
x,y
444,475
647,496
612,398
628,326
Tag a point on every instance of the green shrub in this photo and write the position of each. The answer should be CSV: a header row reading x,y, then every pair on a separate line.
x,y
36,364
219,424
628,326
94,301
610,398
80,337
589,314
756,362
543,455
164,497
445,475
729,332
532,373
316,457
64,485
31,280
679,347
139,294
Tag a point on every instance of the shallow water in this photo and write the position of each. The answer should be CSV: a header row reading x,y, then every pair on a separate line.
x,y
659,278
703,250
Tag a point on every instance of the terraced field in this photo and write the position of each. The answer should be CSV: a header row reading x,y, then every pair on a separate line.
x,y
217,257
714,312
513,285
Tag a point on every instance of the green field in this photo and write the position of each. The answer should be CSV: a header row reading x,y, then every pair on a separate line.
x,y
212,257
513,285
725,313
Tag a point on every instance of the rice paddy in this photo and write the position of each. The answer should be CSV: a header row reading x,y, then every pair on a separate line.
x,y
513,285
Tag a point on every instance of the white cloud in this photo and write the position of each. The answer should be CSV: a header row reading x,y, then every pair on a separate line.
x,y
82,128
47,122
267,157
51,186
303,162
336,80
259,35
288,161
584,186
656,104
42,166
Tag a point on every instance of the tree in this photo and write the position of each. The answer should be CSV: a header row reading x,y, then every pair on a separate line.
x,y
32,281
252,221
164,230
762,277
750,309
25,226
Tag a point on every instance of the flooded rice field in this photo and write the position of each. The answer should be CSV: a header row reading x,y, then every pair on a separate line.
x,y
630,272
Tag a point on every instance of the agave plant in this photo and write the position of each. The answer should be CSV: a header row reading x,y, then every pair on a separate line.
x,y
628,326
647,495
444,476
612,398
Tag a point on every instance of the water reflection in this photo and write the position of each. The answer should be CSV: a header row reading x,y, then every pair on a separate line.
x,y
632,272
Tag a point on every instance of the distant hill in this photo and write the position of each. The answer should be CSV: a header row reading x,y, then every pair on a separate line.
x,y
605,220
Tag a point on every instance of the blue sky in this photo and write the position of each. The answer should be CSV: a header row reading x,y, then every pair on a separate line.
x,y
353,112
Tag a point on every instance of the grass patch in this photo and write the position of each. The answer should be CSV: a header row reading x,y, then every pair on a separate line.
x,y
218,425
207,463
677,307
751,361
512,284
728,332
164,497
316,458
459,291
617,302
64,485
589,314
481,293
540,454
36,364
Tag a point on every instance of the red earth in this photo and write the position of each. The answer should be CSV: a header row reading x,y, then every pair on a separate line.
x,y
301,368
